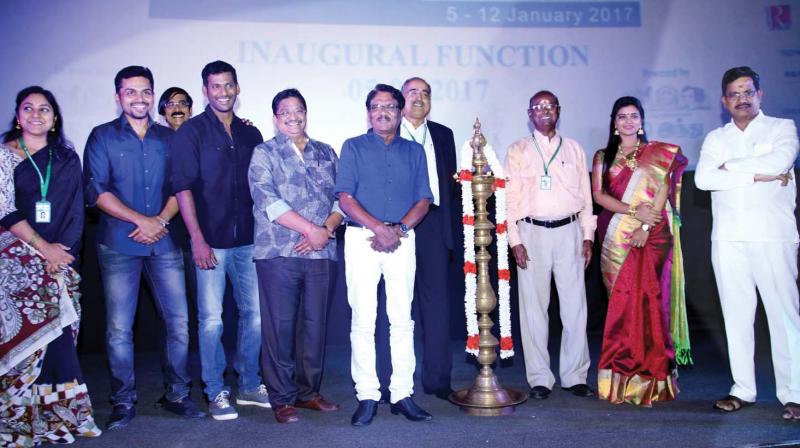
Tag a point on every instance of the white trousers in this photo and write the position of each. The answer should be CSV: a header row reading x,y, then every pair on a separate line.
x,y
363,270
740,268
553,252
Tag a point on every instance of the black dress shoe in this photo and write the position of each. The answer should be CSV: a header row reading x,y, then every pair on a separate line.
x,y
580,390
540,392
365,413
410,410
184,407
443,394
121,415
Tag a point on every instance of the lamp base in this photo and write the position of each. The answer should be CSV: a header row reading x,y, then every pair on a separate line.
x,y
487,398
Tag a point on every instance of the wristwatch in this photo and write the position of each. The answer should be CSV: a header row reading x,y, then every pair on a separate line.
x,y
404,228
646,227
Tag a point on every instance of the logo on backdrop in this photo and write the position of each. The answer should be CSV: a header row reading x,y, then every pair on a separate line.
x,y
676,105
779,17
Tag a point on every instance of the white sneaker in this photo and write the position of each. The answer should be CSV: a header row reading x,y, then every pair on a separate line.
x,y
220,408
258,397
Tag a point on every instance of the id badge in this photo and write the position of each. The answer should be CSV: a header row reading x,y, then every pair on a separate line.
x,y
43,212
545,183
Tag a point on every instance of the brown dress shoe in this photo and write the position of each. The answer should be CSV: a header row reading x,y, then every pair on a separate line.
x,y
317,404
285,413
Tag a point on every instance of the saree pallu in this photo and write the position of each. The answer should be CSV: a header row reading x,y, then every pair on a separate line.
x,y
38,310
646,332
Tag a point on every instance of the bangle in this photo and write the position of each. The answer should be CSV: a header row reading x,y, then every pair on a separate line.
x,y
34,239
632,211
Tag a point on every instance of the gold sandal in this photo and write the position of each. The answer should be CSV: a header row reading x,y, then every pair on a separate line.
x,y
791,411
732,403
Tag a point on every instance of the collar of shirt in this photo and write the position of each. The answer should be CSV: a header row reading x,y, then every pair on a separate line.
x,y
236,122
419,133
377,138
755,121
285,140
124,125
547,145
545,140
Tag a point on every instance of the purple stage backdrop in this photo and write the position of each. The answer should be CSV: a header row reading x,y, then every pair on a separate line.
x,y
483,58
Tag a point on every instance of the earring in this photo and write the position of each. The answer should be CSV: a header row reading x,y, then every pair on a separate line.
x,y
616,131
640,131
53,129
17,126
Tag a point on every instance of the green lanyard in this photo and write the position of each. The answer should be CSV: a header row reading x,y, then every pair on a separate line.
x,y
547,165
424,136
44,182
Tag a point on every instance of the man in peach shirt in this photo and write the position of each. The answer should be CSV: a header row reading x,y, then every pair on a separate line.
x,y
550,231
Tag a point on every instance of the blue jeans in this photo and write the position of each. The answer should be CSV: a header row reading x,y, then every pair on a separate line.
x,y
164,275
238,264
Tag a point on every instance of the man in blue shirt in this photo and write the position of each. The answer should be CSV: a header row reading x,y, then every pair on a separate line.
x,y
125,171
382,185
211,155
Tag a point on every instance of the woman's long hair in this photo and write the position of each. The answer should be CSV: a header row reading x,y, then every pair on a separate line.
x,y
56,136
614,140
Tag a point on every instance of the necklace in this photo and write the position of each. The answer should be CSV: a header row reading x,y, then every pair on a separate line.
x,y
630,158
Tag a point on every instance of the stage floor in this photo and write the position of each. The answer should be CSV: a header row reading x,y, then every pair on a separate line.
x,y
561,420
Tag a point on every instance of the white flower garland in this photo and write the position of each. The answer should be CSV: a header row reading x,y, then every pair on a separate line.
x,y
470,268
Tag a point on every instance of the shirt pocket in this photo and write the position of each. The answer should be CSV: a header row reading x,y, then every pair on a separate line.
x,y
215,159
760,149
321,173
124,164
162,152
570,175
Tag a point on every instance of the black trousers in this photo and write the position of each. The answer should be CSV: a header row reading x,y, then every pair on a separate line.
x,y
293,294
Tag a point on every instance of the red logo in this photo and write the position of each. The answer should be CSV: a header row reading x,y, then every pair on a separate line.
x,y
779,17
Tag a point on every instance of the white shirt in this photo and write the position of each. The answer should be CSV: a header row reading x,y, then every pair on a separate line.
x,y
422,136
744,210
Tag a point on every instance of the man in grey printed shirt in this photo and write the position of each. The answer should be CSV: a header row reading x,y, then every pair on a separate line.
x,y
291,179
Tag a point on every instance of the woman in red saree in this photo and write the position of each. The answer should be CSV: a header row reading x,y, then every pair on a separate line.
x,y
638,185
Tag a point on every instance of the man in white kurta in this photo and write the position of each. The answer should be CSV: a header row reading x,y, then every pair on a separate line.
x,y
747,165
550,231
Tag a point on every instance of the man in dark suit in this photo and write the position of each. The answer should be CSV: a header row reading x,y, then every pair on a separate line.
x,y
434,236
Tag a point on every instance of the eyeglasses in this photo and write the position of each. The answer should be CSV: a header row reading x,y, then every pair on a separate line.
x,y
421,93
174,104
739,95
285,113
632,116
390,108
544,107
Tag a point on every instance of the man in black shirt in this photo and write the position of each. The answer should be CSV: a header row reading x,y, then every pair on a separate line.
x,y
210,158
